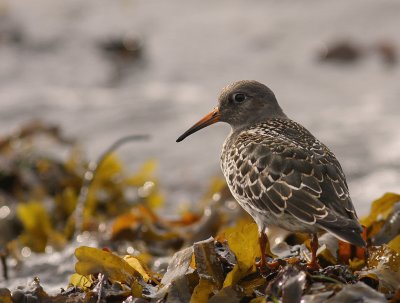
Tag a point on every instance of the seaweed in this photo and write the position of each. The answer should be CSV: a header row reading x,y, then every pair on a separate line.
x,y
127,251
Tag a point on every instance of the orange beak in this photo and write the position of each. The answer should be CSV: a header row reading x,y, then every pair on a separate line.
x,y
210,118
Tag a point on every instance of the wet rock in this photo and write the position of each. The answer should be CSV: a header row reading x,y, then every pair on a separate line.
x,y
390,229
341,273
288,284
207,263
177,274
341,52
179,265
122,52
227,295
383,267
31,293
357,293
225,255
317,297
10,31
126,48
181,289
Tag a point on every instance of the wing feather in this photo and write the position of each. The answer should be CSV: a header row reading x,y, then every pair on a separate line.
x,y
298,175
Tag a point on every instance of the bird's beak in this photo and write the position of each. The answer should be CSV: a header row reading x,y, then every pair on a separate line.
x,y
210,118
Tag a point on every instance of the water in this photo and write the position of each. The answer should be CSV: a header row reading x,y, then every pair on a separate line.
x,y
53,69
58,73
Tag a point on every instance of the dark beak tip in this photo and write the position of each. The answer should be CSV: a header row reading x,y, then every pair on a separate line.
x,y
207,120
181,137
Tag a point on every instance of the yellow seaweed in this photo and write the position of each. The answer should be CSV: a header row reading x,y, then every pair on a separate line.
x,y
80,281
202,291
243,241
93,260
137,265
380,208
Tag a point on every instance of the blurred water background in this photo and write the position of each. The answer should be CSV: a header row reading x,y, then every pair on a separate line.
x,y
104,69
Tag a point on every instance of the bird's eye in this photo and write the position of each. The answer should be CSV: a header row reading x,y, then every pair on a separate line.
x,y
239,97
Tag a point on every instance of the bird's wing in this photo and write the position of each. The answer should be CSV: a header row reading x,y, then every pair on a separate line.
x,y
280,176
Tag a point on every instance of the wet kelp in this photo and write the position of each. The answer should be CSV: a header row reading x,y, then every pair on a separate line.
x,y
136,254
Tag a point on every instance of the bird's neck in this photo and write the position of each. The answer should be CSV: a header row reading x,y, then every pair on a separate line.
x,y
236,128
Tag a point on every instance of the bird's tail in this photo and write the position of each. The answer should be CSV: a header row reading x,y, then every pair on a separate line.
x,y
348,235
345,229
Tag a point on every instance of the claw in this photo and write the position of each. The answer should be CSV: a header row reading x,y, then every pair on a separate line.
x,y
267,265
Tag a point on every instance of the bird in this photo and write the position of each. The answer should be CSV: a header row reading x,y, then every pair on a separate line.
x,y
278,171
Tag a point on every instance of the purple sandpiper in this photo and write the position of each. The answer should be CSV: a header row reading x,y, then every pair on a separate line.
x,y
278,171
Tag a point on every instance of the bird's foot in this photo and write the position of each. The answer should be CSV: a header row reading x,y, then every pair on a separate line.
x,y
313,266
293,260
266,268
268,265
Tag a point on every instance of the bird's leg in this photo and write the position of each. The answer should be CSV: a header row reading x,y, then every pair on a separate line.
x,y
262,239
313,265
263,264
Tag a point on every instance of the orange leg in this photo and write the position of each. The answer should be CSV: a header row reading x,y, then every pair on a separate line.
x,y
262,264
262,239
313,265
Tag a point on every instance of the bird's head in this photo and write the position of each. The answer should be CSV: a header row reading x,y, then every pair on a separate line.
x,y
241,104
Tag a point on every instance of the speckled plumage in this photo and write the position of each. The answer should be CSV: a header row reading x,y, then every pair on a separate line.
x,y
278,171
282,175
